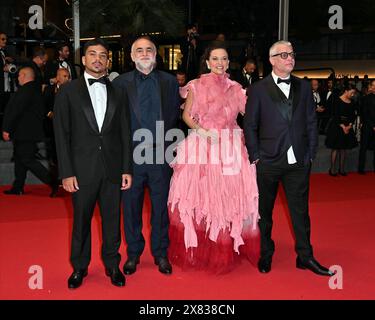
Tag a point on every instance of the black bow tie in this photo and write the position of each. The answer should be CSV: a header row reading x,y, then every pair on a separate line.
x,y
102,80
287,81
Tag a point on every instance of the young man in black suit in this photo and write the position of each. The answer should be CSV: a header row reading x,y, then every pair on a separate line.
x,y
92,132
23,124
281,138
153,96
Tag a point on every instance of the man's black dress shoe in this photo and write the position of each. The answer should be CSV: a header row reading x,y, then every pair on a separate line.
x,y
331,173
314,266
14,192
75,280
264,265
342,173
130,265
117,278
164,265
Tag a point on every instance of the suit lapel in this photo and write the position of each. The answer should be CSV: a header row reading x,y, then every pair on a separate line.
x,y
272,90
87,107
296,89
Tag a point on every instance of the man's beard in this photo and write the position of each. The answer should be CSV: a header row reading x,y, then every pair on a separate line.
x,y
145,66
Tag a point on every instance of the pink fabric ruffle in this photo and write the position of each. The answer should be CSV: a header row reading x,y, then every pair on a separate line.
x,y
213,195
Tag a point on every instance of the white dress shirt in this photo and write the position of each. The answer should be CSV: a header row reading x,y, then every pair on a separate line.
x,y
328,94
285,88
316,97
248,76
64,64
98,95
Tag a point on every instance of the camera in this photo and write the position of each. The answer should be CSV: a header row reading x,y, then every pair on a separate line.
x,y
12,68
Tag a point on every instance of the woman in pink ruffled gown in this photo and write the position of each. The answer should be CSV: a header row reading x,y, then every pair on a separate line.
x,y
213,198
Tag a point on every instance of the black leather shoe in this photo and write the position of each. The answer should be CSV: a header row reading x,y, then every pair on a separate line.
x,y
361,172
342,173
164,265
14,192
130,265
332,174
76,278
117,278
314,266
264,265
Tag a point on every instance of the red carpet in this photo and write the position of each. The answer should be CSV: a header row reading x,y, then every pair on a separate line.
x,y
35,230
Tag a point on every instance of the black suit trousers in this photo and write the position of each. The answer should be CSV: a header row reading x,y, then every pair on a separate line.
x,y
157,178
107,195
295,181
24,160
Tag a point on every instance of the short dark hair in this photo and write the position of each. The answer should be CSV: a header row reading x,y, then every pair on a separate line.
x,y
181,72
191,26
60,46
95,42
39,52
250,60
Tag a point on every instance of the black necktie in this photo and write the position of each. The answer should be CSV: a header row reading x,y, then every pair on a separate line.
x,y
287,81
102,80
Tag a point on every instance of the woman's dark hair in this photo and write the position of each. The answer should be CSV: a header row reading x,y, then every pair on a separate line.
x,y
206,55
346,86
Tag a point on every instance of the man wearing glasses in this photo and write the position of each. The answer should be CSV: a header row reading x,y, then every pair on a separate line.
x,y
281,138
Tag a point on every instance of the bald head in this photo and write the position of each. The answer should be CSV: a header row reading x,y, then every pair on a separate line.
x,y
62,76
314,85
25,75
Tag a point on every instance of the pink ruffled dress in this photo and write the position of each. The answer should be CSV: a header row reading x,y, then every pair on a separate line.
x,y
213,198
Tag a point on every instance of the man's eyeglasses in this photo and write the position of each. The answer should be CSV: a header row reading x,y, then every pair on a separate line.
x,y
284,55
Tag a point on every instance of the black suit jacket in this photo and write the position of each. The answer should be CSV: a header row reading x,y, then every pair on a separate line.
x,y
239,76
24,114
368,111
79,144
267,130
169,93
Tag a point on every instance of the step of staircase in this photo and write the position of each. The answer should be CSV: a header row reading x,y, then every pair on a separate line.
x,y
7,166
